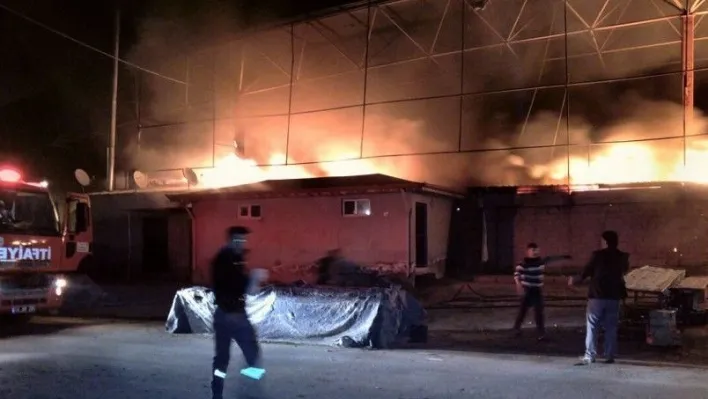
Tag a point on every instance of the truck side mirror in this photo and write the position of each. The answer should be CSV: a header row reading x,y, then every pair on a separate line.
x,y
82,212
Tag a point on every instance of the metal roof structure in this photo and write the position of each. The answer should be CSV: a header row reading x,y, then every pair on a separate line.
x,y
321,186
452,85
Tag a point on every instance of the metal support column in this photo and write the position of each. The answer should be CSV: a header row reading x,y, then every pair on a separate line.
x,y
688,76
114,109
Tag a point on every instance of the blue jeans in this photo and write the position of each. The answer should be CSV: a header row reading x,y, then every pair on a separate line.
x,y
602,313
227,327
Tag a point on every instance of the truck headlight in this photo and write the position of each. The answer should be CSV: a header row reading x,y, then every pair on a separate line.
x,y
59,285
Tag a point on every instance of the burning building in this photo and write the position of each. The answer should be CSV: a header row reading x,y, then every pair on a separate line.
x,y
452,92
501,93
660,224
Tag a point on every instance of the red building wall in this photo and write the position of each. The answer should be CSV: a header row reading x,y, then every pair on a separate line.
x,y
294,232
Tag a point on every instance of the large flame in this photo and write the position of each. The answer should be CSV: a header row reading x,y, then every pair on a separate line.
x,y
232,170
637,162
621,158
620,163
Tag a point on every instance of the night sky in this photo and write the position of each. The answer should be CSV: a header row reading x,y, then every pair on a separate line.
x,y
56,95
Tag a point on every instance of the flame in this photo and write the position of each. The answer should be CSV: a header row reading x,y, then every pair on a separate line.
x,y
631,163
232,170
620,163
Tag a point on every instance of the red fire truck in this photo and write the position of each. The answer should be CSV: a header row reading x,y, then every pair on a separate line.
x,y
42,239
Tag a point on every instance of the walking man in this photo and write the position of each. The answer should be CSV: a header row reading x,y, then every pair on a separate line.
x,y
528,277
231,283
606,270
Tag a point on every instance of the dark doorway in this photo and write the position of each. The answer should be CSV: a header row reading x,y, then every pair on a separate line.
x,y
421,234
155,248
503,240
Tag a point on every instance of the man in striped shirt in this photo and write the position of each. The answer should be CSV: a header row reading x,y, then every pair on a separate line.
x,y
528,276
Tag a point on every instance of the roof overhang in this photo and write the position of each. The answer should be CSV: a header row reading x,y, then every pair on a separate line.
x,y
260,191
669,185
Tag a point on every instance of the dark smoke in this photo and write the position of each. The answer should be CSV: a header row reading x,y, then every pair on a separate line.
x,y
624,111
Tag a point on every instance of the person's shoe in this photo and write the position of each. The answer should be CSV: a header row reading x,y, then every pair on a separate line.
x,y
254,373
517,332
609,360
585,361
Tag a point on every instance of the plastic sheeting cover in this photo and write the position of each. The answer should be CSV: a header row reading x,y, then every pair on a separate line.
x,y
364,317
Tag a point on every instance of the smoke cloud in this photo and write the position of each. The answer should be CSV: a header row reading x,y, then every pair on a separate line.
x,y
229,109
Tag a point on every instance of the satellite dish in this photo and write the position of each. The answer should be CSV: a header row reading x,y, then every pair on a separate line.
x,y
140,179
191,176
82,177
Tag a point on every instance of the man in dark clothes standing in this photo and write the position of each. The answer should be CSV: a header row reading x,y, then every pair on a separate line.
x,y
231,283
528,277
606,270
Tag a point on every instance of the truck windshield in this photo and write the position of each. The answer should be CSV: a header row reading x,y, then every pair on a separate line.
x,y
27,212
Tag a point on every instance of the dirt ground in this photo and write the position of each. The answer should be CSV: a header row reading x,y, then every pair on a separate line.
x,y
493,288
569,341
478,316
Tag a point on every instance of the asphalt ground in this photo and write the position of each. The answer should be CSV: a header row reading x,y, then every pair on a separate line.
x,y
56,358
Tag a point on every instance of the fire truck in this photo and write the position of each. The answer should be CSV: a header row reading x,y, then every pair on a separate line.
x,y
42,240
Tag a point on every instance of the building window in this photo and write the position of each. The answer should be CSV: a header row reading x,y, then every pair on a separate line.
x,y
359,207
249,212
256,211
243,211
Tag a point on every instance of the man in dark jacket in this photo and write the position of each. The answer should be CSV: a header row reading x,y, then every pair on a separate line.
x,y
606,270
231,283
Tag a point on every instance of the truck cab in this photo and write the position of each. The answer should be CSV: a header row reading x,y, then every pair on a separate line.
x,y
42,240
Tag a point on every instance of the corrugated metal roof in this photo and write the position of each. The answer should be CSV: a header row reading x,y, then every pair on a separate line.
x,y
309,186
653,279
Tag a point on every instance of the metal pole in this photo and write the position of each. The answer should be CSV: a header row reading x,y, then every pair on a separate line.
x,y
213,112
114,108
290,94
369,31
688,70
129,269
566,97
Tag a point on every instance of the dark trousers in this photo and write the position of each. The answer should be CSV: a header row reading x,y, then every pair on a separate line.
x,y
533,297
227,327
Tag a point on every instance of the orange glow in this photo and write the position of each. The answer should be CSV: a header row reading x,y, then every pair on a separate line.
x,y
232,170
613,164
633,163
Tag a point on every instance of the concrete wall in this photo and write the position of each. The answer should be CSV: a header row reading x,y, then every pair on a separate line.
x,y
294,232
659,227
118,230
